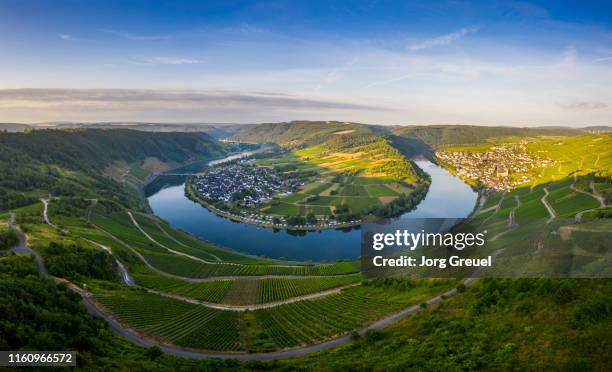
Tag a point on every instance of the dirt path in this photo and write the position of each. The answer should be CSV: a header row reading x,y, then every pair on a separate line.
x,y
172,250
496,207
210,279
566,231
595,195
512,216
127,279
181,243
598,196
190,256
550,209
46,213
254,307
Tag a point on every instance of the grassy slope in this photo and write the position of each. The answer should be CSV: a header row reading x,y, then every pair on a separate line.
x,y
495,325
78,162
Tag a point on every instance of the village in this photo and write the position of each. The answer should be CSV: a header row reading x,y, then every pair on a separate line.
x,y
243,184
500,168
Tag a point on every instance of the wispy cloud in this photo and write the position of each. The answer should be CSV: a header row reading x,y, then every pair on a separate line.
x,y
444,39
583,105
604,59
133,37
172,99
166,61
335,73
67,37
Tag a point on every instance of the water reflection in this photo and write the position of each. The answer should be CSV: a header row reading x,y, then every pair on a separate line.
x,y
448,197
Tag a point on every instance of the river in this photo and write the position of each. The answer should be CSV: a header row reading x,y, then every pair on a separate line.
x,y
448,197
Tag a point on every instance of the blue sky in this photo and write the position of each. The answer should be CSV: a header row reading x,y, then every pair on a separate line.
x,y
385,62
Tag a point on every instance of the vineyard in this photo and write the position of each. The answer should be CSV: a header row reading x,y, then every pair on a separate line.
x,y
238,292
284,326
174,321
310,321
204,291
270,290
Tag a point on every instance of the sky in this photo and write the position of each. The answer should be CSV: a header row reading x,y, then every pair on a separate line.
x,y
380,62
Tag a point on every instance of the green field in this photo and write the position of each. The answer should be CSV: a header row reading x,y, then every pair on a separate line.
x,y
359,172
567,202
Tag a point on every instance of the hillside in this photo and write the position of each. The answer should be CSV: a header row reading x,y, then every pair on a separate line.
x,y
297,133
73,162
357,170
183,291
436,136
213,129
365,155
89,149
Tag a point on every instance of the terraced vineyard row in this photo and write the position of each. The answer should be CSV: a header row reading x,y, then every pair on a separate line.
x,y
238,292
299,323
205,291
174,321
242,292
270,290
309,321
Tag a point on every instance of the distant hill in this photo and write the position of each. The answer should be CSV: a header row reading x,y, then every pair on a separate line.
x,y
411,140
436,136
216,130
296,133
77,161
98,148
13,127
597,129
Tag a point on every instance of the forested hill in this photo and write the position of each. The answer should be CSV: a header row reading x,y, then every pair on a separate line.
x,y
37,163
297,133
436,136
97,148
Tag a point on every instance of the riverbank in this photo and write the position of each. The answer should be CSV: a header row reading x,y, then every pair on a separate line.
x,y
448,197
193,195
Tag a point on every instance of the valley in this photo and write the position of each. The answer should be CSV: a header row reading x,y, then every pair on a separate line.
x,y
164,286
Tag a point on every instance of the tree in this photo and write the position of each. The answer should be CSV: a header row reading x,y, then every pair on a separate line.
x,y
311,218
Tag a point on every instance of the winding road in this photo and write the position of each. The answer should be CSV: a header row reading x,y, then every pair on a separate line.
x,y
23,248
594,194
95,309
550,209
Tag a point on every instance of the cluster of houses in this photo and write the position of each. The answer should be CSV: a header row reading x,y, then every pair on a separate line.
x,y
501,168
243,184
